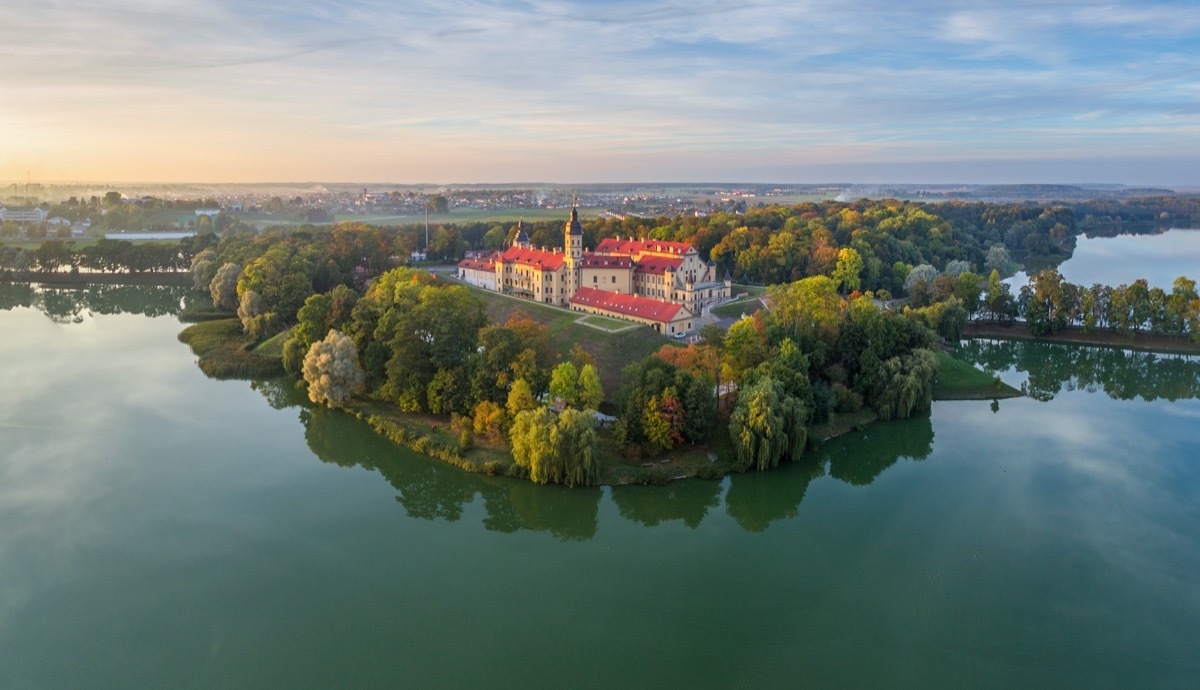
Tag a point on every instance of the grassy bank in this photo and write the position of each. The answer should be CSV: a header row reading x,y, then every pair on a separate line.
x,y
1150,342
957,380
224,353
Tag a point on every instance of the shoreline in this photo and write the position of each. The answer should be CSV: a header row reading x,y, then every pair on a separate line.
x,y
1075,335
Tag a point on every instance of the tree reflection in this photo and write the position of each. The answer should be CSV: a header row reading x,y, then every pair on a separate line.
x,y
650,505
1121,374
567,514
756,499
14,295
73,304
860,459
428,489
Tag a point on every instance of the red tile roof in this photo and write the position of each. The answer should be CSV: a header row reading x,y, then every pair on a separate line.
x,y
629,305
537,258
591,260
485,264
657,265
616,245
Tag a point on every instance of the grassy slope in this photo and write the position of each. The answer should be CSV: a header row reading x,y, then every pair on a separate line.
x,y
957,380
611,352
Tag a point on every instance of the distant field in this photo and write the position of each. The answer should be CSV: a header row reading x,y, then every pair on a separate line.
x,y
469,215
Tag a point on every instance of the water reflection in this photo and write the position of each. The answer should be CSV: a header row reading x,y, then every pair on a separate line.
x,y
75,303
1121,374
860,459
755,500
430,490
651,505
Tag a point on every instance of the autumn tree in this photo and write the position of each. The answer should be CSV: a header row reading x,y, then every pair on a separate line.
x,y
332,371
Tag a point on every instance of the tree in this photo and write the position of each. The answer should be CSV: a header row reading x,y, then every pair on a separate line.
x,y
520,399
591,393
250,306
224,287
490,420
332,371
849,270
557,449
923,273
204,267
907,385
767,426
564,385
807,310
999,299
956,268
998,260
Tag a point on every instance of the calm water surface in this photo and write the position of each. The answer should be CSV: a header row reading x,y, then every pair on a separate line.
x,y
160,529
1120,260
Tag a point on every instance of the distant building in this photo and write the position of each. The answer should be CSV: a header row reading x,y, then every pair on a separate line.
x,y
663,284
210,212
23,215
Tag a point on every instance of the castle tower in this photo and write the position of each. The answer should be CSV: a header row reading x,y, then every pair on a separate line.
x,y
573,248
522,238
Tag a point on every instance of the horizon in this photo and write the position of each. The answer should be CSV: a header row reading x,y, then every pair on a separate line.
x,y
188,91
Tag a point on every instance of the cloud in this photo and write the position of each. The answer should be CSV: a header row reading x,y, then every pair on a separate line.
x,y
451,79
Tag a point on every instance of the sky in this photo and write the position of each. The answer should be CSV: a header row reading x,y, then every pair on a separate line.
x,y
507,91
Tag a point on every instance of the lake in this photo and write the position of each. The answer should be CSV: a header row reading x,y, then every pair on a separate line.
x,y
1159,258
161,529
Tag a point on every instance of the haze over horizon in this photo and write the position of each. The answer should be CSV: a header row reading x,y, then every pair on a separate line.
x,y
940,91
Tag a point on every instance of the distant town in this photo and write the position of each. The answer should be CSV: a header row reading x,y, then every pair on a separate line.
x,y
32,210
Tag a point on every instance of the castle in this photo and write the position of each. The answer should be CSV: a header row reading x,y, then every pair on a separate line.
x,y
662,284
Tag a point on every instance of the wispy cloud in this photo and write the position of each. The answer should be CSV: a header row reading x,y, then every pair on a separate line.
x,y
423,83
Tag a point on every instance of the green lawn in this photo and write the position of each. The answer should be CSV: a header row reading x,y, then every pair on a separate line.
x,y
605,322
611,352
752,290
957,380
738,309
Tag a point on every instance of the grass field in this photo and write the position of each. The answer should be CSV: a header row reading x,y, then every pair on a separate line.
x,y
605,322
611,352
738,309
957,380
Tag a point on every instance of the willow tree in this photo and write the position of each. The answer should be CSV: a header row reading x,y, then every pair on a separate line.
x,y
907,384
767,425
556,449
223,287
332,371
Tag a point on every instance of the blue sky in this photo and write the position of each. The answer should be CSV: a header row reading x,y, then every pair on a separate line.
x,y
559,91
